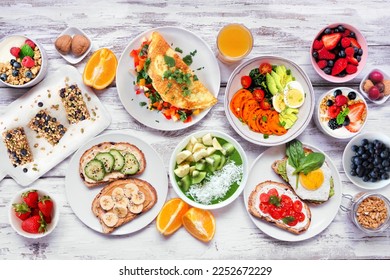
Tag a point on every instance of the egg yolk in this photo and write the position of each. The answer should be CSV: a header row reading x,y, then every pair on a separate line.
x,y
313,180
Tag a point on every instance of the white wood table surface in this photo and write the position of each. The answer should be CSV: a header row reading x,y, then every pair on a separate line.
x,y
283,28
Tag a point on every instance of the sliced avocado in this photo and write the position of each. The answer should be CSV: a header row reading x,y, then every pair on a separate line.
x,y
229,148
199,177
292,111
201,166
271,84
281,71
277,81
289,78
185,183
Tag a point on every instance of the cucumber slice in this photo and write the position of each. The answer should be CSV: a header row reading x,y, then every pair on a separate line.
x,y
107,159
119,160
229,148
131,165
95,170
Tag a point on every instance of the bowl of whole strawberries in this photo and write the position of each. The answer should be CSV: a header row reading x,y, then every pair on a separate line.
x,y
339,52
33,213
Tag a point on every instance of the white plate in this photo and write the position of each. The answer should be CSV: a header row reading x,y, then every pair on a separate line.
x,y
80,197
70,57
188,42
322,215
46,156
305,111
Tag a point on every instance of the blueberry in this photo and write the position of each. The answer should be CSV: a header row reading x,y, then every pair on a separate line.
x,y
336,30
342,74
62,95
3,77
330,63
377,161
385,176
40,104
62,132
60,126
15,73
329,103
54,119
347,121
360,52
364,141
353,166
342,53
328,31
352,95
72,87
82,118
361,150
358,58
25,170
355,50
47,118
360,171
366,178
370,166
365,156
341,28
315,54
327,70
23,152
337,92
378,144
373,180
352,172
12,61
16,65
358,161
8,136
352,35
28,74
355,148
385,163
384,154
47,129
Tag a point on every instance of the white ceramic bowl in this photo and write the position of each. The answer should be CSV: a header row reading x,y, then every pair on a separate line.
x,y
348,154
183,144
385,77
340,133
305,111
16,223
16,41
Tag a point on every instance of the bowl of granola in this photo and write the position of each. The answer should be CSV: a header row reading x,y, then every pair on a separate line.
x,y
23,61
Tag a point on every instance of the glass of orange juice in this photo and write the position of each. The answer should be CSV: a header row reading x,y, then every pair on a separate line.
x,y
234,42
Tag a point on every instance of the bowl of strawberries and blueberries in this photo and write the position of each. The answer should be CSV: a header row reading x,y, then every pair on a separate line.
x,y
339,53
33,213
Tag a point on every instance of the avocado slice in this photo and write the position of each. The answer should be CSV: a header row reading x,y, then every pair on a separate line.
x,y
199,177
277,81
271,84
281,71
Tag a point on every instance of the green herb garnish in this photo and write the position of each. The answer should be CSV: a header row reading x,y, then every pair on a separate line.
x,y
265,136
142,104
342,115
187,60
264,118
275,200
288,219
179,50
26,50
195,78
170,61
193,53
146,65
143,51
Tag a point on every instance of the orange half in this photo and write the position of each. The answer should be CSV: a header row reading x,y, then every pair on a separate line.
x,y
170,217
100,70
200,223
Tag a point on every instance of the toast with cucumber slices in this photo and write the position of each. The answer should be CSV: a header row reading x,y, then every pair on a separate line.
x,y
110,161
122,201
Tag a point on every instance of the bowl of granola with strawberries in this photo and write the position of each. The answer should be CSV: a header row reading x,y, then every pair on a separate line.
x,y
23,61
339,52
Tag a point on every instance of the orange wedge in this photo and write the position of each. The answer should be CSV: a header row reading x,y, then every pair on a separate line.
x,y
100,69
170,217
200,223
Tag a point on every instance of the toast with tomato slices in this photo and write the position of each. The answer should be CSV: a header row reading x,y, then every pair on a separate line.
x,y
277,204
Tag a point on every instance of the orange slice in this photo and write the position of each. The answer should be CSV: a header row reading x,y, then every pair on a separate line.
x,y
200,223
170,217
100,69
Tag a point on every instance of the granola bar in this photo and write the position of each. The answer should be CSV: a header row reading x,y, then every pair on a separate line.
x,y
72,99
17,146
47,127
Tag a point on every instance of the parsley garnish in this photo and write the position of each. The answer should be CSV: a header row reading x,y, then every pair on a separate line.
x,y
142,104
146,65
265,136
264,118
179,50
187,60
183,115
288,219
195,78
170,61
193,53
275,200
143,51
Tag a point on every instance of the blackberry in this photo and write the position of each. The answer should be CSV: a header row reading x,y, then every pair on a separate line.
x,y
333,124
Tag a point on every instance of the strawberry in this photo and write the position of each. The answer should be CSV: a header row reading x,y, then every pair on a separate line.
x,y
34,224
35,212
30,43
352,60
340,100
322,64
349,51
47,219
325,54
15,51
346,33
22,211
339,66
345,42
45,205
356,112
333,111
31,198
28,62
355,43
354,126
317,45
330,41
351,69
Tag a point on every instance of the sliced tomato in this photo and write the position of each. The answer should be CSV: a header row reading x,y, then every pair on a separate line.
x,y
188,119
273,191
258,94
246,81
134,55
265,68
264,197
293,223
265,105
264,207
287,202
297,206
300,217
275,213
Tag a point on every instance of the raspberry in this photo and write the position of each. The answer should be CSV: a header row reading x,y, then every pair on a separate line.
x,y
317,45
28,62
325,54
349,51
341,100
333,111
15,51
322,64
345,42
30,43
351,69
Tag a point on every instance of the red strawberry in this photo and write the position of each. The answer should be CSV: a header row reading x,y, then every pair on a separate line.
x,y
339,66
325,54
28,62
47,219
35,212
354,126
22,211
333,111
317,45
45,205
15,51
322,64
356,112
349,51
346,33
352,60
30,43
330,41
340,100
31,198
345,42
351,69
34,224
355,43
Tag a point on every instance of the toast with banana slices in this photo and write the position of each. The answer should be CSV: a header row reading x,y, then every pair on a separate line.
x,y
122,201
110,161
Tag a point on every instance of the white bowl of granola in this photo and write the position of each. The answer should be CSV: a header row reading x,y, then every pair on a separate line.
x,y
23,61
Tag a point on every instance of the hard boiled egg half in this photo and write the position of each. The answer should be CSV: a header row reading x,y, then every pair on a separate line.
x,y
294,95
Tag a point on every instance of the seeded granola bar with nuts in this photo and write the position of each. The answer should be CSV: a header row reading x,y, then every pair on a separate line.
x,y
47,127
17,146
72,99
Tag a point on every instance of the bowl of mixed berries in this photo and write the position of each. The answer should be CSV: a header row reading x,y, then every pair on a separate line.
x,y
339,52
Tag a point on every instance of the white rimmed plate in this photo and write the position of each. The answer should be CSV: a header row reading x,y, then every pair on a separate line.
x,y
80,197
305,111
204,60
322,215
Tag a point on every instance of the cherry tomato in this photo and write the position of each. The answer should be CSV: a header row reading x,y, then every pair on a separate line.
x,y
293,223
286,201
297,206
265,105
264,197
273,191
246,81
265,68
300,217
264,208
258,94
275,214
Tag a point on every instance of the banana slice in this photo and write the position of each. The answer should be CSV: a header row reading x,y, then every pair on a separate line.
x,y
120,211
106,202
117,194
138,198
135,208
130,189
110,219
123,202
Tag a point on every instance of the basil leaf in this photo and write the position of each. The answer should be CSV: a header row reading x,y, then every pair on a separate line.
x,y
311,162
288,219
170,61
275,200
295,153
